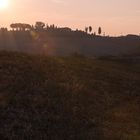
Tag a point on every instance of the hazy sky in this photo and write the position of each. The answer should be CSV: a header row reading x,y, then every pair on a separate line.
x,y
114,16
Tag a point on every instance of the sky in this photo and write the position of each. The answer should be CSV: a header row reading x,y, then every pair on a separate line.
x,y
116,17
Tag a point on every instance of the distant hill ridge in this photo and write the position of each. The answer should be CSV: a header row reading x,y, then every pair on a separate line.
x,y
62,42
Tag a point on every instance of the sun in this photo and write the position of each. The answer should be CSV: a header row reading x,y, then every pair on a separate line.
x,y
4,4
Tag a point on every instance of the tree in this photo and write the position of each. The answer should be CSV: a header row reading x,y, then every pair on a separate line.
x,y
86,29
90,29
13,26
3,29
39,25
47,26
27,26
20,26
99,30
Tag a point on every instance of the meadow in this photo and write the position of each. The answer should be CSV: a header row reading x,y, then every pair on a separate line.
x,y
68,98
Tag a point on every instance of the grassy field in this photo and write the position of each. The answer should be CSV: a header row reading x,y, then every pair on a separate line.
x,y
71,98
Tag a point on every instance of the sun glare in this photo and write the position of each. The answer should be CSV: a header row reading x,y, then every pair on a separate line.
x,y
4,4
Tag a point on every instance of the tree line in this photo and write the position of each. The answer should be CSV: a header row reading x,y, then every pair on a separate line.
x,y
41,26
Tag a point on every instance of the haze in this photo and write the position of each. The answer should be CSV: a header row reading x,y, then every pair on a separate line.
x,y
115,17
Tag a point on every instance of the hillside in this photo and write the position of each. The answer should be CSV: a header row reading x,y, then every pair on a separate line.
x,y
68,98
65,43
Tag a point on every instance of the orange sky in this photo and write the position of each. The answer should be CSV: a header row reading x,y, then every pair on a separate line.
x,y
116,17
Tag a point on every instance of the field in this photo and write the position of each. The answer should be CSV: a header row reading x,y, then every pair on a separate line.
x,y
68,98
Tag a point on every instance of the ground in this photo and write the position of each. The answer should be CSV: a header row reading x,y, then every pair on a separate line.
x,y
68,98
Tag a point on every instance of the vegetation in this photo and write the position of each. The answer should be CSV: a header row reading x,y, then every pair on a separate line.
x,y
99,30
39,25
90,29
68,98
20,26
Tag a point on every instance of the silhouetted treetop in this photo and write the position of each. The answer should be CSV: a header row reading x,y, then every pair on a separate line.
x,y
90,29
20,26
86,29
99,30
39,25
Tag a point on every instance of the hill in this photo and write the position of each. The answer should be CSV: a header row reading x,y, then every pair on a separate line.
x,y
66,42
73,98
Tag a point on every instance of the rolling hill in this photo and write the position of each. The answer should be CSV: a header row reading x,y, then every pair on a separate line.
x,y
65,43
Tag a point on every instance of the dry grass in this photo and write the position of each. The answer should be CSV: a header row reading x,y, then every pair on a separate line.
x,y
72,98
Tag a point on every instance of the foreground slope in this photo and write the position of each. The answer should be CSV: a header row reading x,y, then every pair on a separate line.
x,y
71,98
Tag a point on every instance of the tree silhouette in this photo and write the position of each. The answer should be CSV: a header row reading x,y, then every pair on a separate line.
x,y
13,26
86,29
27,26
90,29
39,25
3,29
20,26
99,30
